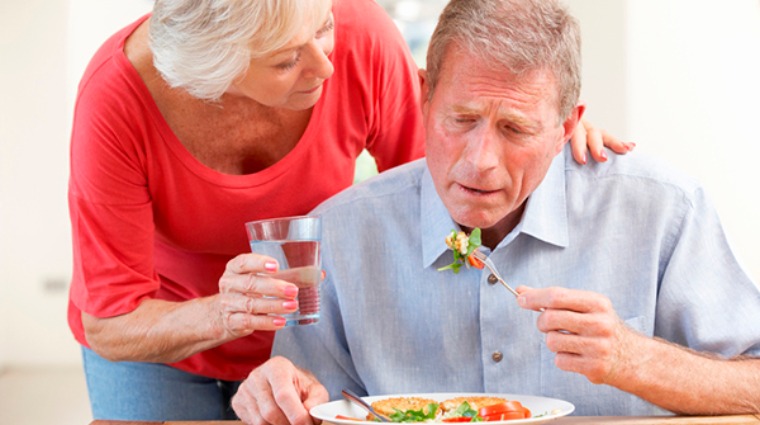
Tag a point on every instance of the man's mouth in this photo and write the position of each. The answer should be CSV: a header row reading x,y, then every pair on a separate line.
x,y
475,190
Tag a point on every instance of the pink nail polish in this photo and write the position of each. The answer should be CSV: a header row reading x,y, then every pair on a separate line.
x,y
290,291
279,321
603,154
270,266
290,305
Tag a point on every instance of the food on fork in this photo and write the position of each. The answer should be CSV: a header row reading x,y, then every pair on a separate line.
x,y
464,247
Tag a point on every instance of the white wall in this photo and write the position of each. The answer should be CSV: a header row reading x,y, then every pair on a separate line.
x,y
44,45
694,98
32,176
676,76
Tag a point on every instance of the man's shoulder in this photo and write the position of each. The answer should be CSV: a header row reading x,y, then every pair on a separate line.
x,y
638,168
402,181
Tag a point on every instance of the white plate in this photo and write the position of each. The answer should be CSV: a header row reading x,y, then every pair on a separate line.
x,y
543,409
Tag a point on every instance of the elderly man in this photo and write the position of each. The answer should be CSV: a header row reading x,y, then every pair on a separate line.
x,y
631,301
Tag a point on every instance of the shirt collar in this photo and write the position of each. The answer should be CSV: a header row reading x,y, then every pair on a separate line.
x,y
545,216
435,221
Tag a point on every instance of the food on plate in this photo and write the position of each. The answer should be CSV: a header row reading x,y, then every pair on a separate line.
x,y
464,247
406,409
509,409
458,409
482,408
475,402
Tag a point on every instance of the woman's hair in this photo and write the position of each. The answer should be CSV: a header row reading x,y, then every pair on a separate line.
x,y
519,36
202,46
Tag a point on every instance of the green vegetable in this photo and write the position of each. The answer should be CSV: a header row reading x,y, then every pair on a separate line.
x,y
465,410
473,242
415,415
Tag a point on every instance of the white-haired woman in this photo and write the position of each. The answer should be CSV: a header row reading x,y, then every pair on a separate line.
x,y
190,122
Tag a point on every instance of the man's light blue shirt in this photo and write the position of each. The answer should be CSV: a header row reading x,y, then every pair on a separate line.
x,y
631,229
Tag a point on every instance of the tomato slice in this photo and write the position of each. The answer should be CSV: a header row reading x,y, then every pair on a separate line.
x,y
503,411
504,416
475,262
349,418
457,419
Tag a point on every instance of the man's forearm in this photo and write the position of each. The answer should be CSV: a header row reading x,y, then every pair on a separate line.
x,y
687,382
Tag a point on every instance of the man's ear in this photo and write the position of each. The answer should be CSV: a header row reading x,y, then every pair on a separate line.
x,y
572,121
424,89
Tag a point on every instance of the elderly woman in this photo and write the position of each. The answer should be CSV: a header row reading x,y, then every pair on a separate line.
x,y
190,122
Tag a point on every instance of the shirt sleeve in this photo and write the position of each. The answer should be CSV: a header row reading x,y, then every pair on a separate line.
x,y
706,300
109,203
396,127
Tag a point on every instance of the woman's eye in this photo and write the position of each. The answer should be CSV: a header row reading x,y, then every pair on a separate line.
x,y
327,28
289,64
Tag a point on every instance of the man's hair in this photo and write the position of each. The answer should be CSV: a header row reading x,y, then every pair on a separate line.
x,y
203,45
519,36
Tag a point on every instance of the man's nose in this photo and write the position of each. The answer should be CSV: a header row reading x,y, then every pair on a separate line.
x,y
483,150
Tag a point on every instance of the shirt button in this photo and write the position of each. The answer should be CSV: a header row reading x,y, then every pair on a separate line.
x,y
492,279
497,356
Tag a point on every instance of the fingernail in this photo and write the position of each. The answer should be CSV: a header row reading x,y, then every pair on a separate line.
x,y
631,146
270,266
290,305
324,275
290,291
603,154
583,159
522,301
278,321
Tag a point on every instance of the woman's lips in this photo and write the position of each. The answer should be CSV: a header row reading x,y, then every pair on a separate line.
x,y
312,90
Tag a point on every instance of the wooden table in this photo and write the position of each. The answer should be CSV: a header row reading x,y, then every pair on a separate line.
x,y
567,420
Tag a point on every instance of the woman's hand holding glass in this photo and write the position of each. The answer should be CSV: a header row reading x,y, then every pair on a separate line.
x,y
250,300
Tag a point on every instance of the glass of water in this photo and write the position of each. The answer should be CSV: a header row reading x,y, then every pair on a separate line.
x,y
294,243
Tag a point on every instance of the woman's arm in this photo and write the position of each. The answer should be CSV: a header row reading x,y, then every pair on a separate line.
x,y
166,332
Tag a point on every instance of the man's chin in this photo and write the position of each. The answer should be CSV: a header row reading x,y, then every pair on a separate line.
x,y
473,220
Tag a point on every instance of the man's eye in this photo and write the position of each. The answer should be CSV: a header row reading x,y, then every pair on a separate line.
x,y
513,130
464,120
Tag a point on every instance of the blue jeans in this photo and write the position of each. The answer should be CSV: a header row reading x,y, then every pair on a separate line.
x,y
153,392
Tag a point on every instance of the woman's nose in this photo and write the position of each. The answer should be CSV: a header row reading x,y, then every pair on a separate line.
x,y
321,67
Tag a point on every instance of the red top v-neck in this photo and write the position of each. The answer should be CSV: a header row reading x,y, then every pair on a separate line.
x,y
151,221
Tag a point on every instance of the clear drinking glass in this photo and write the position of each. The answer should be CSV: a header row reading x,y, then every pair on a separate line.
x,y
294,243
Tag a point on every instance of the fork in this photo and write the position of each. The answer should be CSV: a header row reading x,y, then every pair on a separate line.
x,y
354,398
492,268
